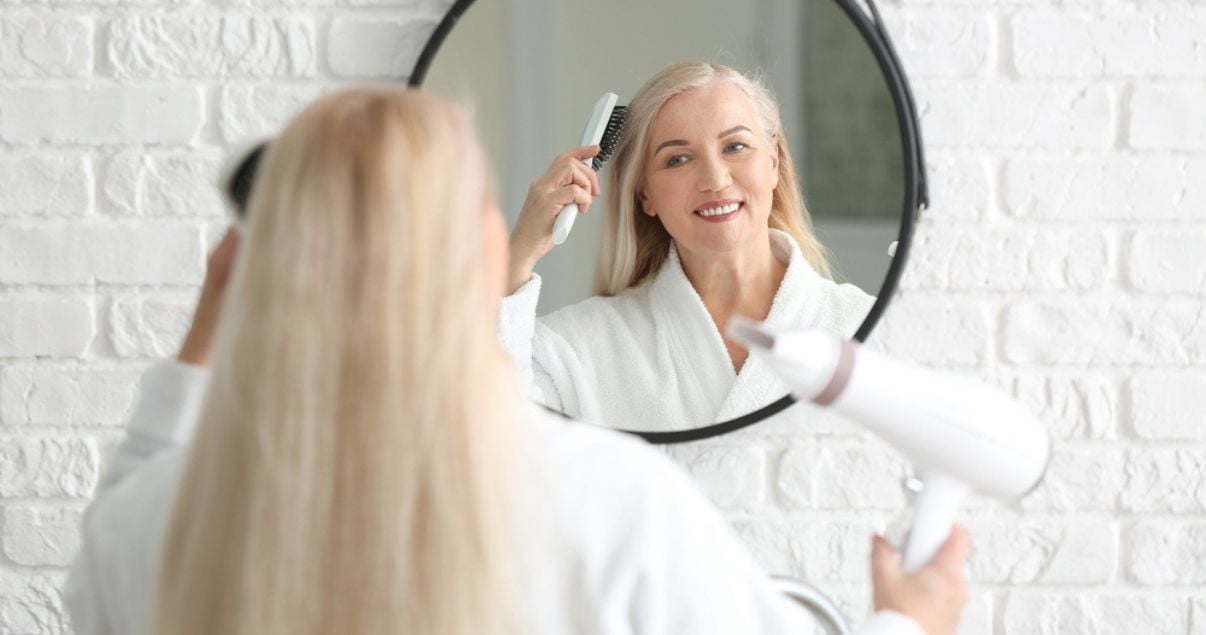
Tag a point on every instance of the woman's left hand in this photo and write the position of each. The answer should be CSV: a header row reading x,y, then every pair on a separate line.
x,y
199,341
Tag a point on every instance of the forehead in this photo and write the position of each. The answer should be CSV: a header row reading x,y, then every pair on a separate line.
x,y
703,112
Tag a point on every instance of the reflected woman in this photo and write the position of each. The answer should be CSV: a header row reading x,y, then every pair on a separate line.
x,y
360,460
706,221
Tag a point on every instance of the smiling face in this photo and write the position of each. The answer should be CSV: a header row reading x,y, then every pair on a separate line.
x,y
710,171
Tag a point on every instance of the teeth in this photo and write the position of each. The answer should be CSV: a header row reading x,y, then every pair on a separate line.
x,y
719,211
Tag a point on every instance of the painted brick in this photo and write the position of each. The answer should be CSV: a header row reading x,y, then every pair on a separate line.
x,y
42,535
45,186
832,476
960,188
101,114
252,112
1168,406
45,466
143,326
142,184
1168,261
1072,407
42,47
1011,550
66,395
813,549
1165,480
1031,613
990,115
1078,44
32,602
1167,552
1164,118
944,43
360,47
978,258
731,477
1146,188
156,47
907,331
1080,479
81,254
41,326
1106,333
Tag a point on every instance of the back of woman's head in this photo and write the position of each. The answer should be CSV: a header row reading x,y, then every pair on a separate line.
x,y
340,481
635,244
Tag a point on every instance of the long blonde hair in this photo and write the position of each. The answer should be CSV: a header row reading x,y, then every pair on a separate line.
x,y
636,245
352,469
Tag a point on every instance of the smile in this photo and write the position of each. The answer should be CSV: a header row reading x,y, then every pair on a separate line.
x,y
718,213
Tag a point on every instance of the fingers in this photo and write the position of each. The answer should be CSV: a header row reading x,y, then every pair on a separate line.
x,y
574,193
953,552
581,153
885,563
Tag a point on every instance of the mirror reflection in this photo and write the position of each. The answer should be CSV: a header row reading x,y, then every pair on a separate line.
x,y
764,179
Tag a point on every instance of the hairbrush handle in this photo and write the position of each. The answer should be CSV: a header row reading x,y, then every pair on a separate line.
x,y
564,223
591,135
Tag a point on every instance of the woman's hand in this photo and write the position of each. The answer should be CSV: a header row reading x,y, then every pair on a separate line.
x,y
568,180
199,341
934,595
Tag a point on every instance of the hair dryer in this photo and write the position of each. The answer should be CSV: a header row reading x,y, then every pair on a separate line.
x,y
960,434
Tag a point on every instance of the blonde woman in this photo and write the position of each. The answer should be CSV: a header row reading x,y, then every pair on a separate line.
x,y
705,221
359,459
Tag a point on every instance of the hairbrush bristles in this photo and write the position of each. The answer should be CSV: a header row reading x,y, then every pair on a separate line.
x,y
611,137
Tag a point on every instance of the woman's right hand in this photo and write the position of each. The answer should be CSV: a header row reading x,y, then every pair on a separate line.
x,y
934,595
568,180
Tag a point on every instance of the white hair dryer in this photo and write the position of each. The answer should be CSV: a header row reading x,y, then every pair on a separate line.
x,y
961,435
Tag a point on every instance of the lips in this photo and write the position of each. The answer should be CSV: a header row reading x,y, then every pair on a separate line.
x,y
718,210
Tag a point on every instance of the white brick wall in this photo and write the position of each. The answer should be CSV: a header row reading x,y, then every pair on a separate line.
x,y
1062,258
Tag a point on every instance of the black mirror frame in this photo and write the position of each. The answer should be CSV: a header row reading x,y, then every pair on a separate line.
x,y
870,24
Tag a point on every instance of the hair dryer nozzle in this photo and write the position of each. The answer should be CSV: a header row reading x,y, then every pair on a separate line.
x,y
750,334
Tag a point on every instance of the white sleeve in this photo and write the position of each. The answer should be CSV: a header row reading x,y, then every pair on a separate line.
x,y
169,401
81,598
163,419
517,331
891,623
517,325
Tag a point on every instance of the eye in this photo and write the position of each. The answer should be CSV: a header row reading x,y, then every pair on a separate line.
x,y
676,160
736,146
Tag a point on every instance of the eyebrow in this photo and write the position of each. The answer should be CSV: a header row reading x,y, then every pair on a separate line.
x,y
680,142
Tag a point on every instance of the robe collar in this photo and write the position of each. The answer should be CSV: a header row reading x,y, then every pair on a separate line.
x,y
728,394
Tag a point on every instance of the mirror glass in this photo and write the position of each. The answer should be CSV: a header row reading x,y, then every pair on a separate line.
x,y
531,72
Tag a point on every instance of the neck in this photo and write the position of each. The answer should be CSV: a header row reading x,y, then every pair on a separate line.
x,y
745,279
742,283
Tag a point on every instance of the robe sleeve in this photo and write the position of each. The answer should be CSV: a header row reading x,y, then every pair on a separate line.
x,y
163,419
517,330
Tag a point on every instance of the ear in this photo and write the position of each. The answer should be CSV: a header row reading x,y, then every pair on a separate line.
x,y
775,166
643,197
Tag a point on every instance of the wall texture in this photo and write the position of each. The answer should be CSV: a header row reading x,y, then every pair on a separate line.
x,y
1063,258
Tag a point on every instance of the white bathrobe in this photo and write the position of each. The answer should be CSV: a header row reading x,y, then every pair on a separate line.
x,y
640,550
652,359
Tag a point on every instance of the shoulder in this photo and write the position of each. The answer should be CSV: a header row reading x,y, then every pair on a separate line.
x,y
622,316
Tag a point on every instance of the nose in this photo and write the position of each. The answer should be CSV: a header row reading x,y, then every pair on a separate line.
x,y
714,174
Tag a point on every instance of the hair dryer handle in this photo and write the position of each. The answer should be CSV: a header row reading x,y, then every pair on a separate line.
x,y
932,519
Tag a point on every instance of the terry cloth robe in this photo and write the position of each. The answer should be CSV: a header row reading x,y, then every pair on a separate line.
x,y
621,563
652,359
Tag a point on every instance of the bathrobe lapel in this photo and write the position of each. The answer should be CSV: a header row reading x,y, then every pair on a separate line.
x,y
699,355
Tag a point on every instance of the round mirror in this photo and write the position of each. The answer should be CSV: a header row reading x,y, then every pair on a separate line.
x,y
531,73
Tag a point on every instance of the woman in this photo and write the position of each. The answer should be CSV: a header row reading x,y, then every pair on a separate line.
x,y
362,461
705,222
